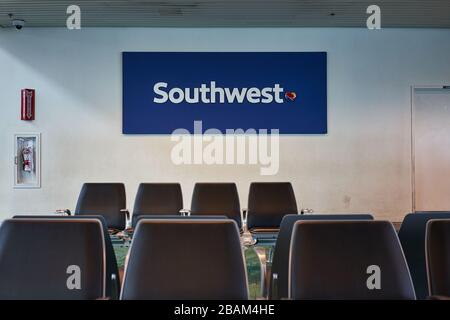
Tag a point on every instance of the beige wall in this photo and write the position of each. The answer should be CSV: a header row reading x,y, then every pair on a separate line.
x,y
362,165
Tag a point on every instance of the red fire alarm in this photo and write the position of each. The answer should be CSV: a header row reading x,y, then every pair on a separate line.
x,y
27,111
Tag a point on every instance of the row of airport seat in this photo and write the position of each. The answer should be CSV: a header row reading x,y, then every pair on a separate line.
x,y
316,257
267,202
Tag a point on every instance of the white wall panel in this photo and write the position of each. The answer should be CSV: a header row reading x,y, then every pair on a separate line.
x,y
362,165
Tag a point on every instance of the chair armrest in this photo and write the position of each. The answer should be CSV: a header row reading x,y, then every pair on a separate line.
x,y
244,220
114,288
126,212
185,212
63,211
244,213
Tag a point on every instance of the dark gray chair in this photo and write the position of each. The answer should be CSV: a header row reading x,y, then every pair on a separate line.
x,y
216,199
112,273
268,203
157,199
39,259
105,199
280,262
438,257
412,238
334,260
182,259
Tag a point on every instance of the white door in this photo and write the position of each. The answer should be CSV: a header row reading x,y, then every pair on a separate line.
x,y
431,151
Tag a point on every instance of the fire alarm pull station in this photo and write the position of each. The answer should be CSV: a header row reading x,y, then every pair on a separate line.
x,y
27,110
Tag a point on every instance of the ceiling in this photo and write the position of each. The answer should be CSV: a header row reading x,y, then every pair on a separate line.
x,y
229,13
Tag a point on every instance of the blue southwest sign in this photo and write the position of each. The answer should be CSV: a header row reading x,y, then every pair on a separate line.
x,y
164,91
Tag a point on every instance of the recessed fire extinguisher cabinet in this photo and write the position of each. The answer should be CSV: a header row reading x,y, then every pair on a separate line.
x,y
27,160
27,104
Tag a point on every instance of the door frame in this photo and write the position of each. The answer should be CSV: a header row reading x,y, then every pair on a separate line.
x,y
413,150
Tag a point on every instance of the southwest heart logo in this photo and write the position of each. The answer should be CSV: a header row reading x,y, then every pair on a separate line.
x,y
290,95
